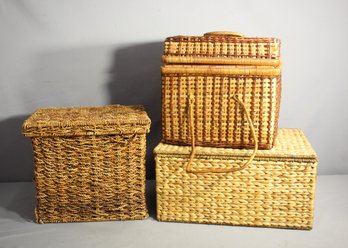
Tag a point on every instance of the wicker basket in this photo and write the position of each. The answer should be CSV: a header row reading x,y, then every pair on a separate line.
x,y
204,75
89,163
275,190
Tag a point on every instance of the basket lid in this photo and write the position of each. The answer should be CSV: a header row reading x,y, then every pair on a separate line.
x,y
77,121
222,47
290,143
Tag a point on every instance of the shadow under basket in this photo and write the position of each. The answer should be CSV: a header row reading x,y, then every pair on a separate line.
x,y
276,189
89,163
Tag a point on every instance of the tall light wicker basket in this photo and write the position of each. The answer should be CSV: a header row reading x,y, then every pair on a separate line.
x,y
204,81
276,189
89,163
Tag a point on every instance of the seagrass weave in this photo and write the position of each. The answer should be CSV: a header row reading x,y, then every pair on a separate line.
x,y
212,70
275,190
89,163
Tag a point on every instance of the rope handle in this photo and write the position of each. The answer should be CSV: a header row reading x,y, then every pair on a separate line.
x,y
193,142
224,33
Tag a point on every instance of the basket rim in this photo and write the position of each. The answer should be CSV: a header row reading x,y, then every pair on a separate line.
x,y
290,143
221,70
232,39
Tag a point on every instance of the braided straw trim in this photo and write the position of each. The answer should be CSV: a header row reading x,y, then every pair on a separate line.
x,y
221,70
220,61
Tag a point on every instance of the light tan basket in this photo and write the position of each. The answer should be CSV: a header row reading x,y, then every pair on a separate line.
x,y
213,70
89,163
276,189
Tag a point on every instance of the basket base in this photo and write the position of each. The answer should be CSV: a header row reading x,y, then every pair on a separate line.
x,y
263,225
46,220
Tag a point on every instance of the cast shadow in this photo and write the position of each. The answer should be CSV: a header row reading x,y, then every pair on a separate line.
x,y
21,203
15,151
151,198
16,165
135,78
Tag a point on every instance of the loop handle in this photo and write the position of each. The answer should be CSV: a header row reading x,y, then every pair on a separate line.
x,y
193,142
224,33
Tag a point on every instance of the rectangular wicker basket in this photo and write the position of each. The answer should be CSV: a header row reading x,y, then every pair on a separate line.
x,y
205,74
89,163
276,190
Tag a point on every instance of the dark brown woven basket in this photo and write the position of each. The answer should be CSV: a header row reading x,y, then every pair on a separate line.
x,y
89,163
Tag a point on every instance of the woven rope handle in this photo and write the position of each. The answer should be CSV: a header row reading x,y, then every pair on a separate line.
x,y
224,33
193,150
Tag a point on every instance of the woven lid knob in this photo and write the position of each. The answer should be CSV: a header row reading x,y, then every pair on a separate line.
x,y
224,33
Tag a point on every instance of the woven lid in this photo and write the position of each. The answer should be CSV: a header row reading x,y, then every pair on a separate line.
x,y
222,48
112,119
290,143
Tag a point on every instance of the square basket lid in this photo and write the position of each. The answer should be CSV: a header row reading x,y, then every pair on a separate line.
x,y
78,121
290,143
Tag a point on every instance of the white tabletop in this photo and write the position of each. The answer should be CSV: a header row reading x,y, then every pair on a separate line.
x,y
17,228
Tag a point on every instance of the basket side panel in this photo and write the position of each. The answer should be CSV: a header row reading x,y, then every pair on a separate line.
x,y
218,120
266,194
90,178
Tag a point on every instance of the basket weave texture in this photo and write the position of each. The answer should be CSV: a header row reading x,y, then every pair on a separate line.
x,y
89,163
221,49
275,190
211,70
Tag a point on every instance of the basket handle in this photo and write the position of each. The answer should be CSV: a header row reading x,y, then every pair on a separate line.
x,y
193,141
224,33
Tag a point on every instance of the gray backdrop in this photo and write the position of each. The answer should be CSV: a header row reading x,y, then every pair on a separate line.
x,y
73,53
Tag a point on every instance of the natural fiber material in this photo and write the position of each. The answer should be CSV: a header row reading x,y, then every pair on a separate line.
x,y
217,48
112,119
275,190
219,170
213,69
89,163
